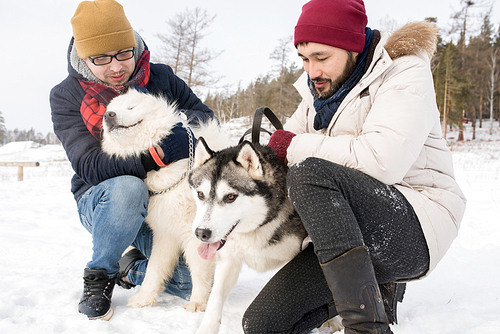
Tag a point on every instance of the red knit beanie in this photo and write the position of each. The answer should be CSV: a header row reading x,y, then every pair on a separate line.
x,y
338,23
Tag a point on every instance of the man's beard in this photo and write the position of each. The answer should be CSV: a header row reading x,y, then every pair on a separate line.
x,y
334,85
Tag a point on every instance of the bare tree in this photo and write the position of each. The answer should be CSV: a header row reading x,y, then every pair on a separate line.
x,y
446,100
281,56
174,44
461,22
492,65
461,18
182,47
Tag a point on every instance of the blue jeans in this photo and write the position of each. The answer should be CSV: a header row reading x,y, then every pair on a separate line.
x,y
114,212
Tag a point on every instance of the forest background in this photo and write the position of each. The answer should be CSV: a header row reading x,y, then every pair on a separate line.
x,y
465,67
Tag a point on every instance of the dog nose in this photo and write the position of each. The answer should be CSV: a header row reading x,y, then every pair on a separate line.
x,y
203,234
109,114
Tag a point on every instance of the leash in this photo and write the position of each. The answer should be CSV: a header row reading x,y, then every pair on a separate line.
x,y
255,131
257,124
190,166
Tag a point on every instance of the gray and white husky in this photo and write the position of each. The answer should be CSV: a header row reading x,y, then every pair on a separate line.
x,y
133,123
243,214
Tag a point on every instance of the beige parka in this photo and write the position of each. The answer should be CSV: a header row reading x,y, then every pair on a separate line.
x,y
388,127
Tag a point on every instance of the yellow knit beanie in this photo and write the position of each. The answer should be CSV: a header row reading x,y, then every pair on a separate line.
x,y
100,26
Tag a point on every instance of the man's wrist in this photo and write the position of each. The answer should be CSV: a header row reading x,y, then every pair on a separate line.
x,y
156,157
160,152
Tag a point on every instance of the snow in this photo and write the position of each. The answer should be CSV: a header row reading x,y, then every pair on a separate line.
x,y
44,249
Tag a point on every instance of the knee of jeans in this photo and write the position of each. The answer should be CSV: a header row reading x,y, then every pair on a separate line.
x,y
132,183
132,189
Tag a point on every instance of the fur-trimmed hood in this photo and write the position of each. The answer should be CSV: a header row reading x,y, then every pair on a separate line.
x,y
411,39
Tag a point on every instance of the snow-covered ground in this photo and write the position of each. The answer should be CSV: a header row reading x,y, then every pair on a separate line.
x,y
44,250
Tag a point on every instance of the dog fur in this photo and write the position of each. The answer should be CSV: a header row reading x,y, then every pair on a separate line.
x,y
134,122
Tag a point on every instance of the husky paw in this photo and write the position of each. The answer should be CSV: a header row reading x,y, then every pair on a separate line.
x,y
139,300
193,306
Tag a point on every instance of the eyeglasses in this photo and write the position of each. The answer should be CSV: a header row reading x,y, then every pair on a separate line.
x,y
120,56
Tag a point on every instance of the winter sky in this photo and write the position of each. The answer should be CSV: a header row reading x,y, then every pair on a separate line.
x,y
35,36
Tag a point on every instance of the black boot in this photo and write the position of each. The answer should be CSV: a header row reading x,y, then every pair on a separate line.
x,y
96,298
392,293
356,293
126,263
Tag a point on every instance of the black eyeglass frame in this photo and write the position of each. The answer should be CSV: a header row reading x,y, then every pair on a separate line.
x,y
110,58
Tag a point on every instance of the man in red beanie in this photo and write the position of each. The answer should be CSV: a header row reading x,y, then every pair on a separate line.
x,y
370,174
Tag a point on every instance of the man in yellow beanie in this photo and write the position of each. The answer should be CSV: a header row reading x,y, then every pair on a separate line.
x,y
105,58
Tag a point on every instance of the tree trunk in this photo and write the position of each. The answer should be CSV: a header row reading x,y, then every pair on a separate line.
x,y
444,102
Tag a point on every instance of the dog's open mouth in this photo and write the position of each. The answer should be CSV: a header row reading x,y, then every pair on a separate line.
x,y
207,250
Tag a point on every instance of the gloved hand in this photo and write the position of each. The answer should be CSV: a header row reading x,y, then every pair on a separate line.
x,y
279,142
176,145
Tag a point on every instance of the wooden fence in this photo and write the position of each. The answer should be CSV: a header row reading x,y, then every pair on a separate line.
x,y
20,166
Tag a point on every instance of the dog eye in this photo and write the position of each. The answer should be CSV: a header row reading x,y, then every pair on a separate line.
x,y
201,195
130,108
230,198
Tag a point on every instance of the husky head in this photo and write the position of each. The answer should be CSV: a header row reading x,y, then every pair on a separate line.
x,y
135,121
237,190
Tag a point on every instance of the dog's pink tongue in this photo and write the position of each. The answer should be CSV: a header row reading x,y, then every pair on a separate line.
x,y
207,251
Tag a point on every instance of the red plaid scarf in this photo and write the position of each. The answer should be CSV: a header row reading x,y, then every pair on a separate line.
x,y
98,95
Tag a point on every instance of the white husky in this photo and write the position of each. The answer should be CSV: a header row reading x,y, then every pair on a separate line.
x,y
134,122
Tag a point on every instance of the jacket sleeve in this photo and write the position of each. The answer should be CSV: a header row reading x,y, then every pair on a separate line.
x,y
84,152
176,90
393,134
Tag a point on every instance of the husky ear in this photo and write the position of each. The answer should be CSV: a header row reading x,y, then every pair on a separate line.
x,y
250,160
201,152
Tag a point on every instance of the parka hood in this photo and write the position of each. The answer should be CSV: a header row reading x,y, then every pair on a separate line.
x,y
413,38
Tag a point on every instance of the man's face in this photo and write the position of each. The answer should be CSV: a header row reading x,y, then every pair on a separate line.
x,y
116,73
328,67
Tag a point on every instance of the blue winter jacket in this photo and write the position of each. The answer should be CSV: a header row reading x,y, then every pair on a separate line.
x,y
90,163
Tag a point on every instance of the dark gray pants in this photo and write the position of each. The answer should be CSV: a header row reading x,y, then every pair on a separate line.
x,y
341,208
